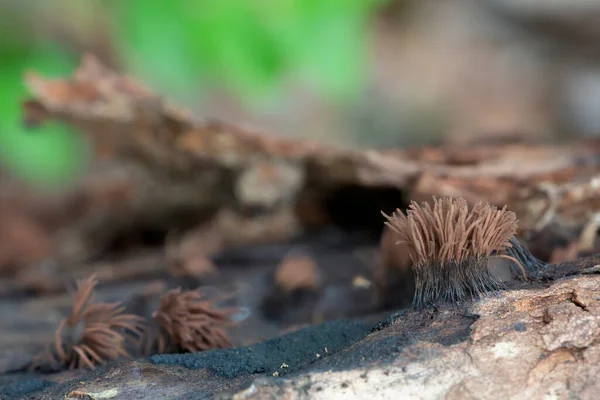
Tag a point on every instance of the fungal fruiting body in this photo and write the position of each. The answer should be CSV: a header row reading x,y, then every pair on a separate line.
x,y
93,334
449,245
189,322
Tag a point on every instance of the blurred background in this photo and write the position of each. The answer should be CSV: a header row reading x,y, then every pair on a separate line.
x,y
355,73
288,233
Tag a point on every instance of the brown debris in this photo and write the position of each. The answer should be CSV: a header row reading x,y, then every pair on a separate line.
x,y
190,257
189,322
449,245
297,271
93,334
297,284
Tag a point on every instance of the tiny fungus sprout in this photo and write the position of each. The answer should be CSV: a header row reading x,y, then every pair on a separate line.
x,y
449,245
189,322
93,334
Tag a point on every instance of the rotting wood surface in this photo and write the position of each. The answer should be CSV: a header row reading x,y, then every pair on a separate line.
x,y
164,159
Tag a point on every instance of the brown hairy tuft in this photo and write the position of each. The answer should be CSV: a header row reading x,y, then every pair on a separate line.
x,y
93,334
189,322
449,245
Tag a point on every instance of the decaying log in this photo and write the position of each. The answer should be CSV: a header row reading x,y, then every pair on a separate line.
x,y
179,168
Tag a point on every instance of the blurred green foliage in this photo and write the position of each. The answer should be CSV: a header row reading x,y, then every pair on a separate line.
x,y
51,154
253,48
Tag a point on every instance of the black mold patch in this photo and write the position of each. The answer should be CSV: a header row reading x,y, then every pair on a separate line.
x,y
23,387
295,350
365,353
404,330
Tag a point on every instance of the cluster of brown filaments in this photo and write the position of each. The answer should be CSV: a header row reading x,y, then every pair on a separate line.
x,y
449,245
97,332
92,334
189,322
